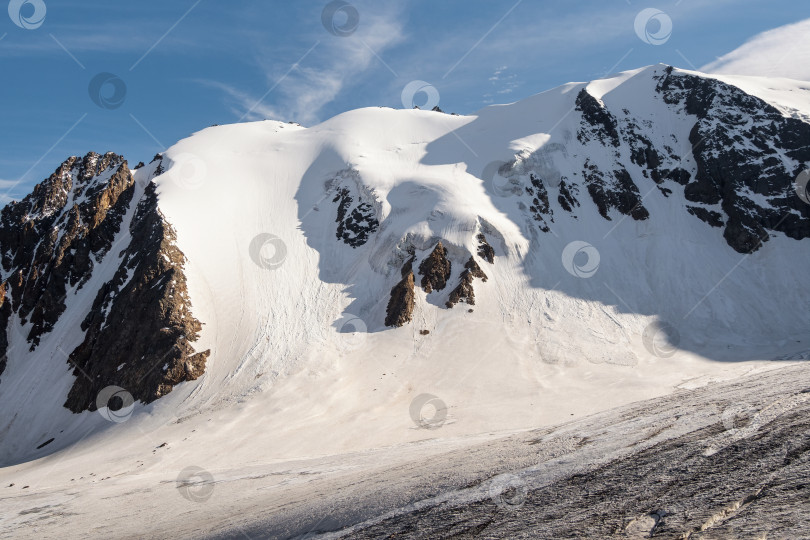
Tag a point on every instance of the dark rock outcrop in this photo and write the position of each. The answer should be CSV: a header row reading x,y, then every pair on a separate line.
x,y
140,328
598,124
740,143
464,291
5,313
611,189
540,207
435,269
614,190
400,305
356,223
715,219
55,239
485,251
566,197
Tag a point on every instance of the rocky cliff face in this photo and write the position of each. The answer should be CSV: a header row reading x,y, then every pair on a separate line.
x,y
88,214
140,328
436,271
748,155
737,167
356,216
734,167
400,305
53,238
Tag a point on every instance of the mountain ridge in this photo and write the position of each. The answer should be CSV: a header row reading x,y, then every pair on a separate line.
x,y
248,250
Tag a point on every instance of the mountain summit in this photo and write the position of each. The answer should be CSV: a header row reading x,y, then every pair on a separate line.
x,y
629,231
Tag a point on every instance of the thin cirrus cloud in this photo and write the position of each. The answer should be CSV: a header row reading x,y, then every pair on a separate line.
x,y
77,39
781,52
7,191
299,91
452,59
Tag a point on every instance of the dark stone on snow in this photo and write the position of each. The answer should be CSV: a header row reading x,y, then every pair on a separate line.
x,y
715,219
355,224
400,305
464,291
485,251
599,124
435,269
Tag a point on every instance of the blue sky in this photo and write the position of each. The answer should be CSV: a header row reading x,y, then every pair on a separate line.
x,y
188,64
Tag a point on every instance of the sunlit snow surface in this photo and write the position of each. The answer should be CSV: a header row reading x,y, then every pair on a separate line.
x,y
287,381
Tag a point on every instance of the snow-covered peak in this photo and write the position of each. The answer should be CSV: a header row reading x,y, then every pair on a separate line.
x,y
590,245
778,53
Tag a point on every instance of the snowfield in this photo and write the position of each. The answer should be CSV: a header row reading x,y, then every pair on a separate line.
x,y
302,421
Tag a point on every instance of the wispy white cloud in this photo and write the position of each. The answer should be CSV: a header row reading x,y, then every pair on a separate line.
x,y
301,91
497,75
554,39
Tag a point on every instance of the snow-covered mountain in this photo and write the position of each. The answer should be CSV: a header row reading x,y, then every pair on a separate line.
x,y
780,52
298,287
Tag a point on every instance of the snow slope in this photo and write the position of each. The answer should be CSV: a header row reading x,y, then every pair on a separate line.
x,y
301,363
423,172
781,52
